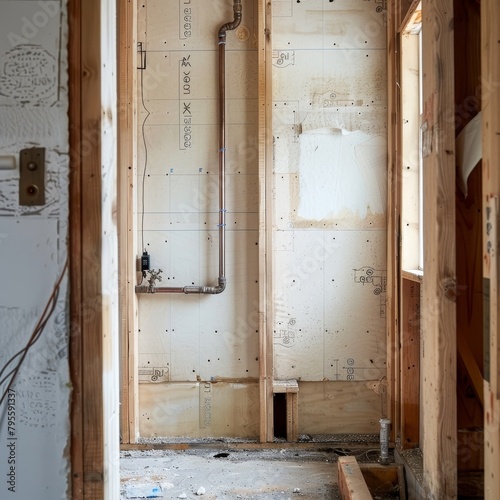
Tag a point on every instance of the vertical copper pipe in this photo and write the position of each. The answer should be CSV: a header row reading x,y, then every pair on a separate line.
x,y
237,8
222,159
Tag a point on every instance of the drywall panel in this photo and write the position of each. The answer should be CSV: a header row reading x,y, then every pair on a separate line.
x,y
314,24
186,341
330,305
329,241
199,409
34,419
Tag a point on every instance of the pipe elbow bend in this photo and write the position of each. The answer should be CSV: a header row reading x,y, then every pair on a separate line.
x,y
222,285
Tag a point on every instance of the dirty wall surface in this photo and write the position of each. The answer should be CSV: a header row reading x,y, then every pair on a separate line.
x,y
34,418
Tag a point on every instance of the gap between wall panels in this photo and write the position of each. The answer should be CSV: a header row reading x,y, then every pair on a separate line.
x,y
306,204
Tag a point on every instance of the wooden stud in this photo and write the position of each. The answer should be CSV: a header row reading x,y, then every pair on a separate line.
x,y
127,145
86,330
91,253
490,87
439,283
265,222
410,365
75,250
393,217
352,484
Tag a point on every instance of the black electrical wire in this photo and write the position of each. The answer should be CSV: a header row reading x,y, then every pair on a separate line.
x,y
37,332
145,149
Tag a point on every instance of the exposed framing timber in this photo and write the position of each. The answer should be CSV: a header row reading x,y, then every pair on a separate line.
x,y
393,217
410,365
409,15
94,469
265,222
75,250
439,284
490,81
352,484
127,150
85,249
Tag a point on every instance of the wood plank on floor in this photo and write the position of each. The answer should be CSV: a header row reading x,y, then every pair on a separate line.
x,y
352,484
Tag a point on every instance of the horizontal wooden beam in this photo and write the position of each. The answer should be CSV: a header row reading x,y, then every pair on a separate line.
x,y
352,484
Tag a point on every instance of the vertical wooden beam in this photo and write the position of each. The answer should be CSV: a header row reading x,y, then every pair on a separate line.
x,y
410,365
265,222
87,313
91,231
127,146
75,249
393,216
439,284
490,81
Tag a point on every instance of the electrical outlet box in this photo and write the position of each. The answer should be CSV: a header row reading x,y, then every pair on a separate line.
x,y
32,177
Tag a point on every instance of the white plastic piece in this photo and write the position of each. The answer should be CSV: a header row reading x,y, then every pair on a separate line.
x,y
201,491
7,162
143,490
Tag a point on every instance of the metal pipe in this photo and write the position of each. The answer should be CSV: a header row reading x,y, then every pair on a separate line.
x,y
237,9
385,425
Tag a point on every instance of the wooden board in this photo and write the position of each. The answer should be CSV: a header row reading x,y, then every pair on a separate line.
x,y
199,409
384,480
266,306
490,73
352,484
127,142
340,407
410,365
438,310
393,217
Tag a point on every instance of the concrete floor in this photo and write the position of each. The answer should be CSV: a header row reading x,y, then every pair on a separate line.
x,y
234,474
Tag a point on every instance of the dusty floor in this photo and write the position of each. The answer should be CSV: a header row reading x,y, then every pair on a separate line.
x,y
235,474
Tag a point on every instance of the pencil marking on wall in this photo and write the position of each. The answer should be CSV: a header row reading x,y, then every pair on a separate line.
x,y
185,20
283,58
285,338
376,278
154,375
28,75
186,115
205,405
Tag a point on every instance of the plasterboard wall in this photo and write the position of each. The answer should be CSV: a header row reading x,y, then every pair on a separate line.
x,y
329,128
33,112
198,355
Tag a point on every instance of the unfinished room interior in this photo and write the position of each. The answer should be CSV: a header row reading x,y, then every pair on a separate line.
x,y
249,249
